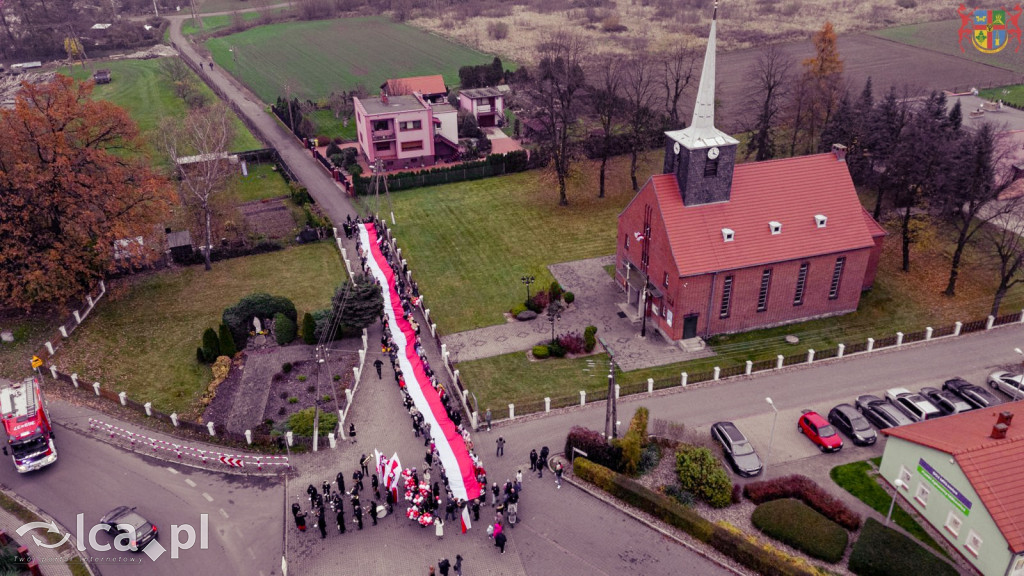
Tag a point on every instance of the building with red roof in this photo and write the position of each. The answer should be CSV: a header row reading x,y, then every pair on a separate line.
x,y
965,475
711,247
431,88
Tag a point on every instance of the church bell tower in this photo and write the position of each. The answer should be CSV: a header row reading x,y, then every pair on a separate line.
x,y
701,156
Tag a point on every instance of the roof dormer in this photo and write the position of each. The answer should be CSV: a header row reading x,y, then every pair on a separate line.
x,y
776,227
728,234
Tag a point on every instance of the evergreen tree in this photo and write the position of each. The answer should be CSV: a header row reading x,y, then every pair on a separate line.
x,y
211,345
227,341
358,305
308,329
841,127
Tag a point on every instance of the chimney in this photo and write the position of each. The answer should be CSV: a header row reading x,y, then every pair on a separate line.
x,y
999,431
1005,417
840,151
383,97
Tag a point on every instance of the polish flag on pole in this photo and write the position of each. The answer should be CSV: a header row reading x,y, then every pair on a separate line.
x,y
381,462
466,525
390,472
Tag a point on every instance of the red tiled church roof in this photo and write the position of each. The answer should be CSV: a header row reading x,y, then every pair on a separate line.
x,y
791,191
995,468
422,84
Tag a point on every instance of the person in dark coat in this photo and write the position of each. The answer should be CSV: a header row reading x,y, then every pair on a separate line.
x,y
373,511
327,488
321,523
499,541
476,509
533,459
501,446
357,481
376,485
340,479
437,490
429,457
443,565
296,509
311,491
458,565
390,502
341,520
300,521
358,512
378,365
352,433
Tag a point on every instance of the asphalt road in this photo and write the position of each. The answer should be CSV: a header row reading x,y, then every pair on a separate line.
x,y
91,477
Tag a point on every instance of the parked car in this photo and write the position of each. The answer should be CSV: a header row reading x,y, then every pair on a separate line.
x,y
946,401
118,518
819,431
881,413
974,395
914,405
737,448
850,422
1008,383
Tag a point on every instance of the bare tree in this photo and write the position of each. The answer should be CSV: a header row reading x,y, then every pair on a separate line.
x,y
679,68
797,112
771,76
204,136
1006,238
606,104
552,99
639,85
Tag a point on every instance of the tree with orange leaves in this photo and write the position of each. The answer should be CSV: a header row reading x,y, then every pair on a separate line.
x,y
823,82
72,186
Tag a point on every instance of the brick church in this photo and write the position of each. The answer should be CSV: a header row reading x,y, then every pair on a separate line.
x,y
710,247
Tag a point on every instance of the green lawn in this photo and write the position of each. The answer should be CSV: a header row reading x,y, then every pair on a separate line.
x,y
144,341
220,22
326,125
140,88
317,57
29,334
1013,94
854,478
941,36
262,182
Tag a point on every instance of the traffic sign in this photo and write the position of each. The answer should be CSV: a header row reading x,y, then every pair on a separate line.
x,y
37,361
233,462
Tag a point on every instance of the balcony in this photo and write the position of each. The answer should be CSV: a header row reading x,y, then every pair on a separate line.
x,y
382,135
484,108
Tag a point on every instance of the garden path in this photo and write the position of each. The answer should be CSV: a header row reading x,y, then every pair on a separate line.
x,y
250,398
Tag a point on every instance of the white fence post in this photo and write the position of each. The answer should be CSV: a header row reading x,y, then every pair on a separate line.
x,y
650,385
810,355
103,288
88,298
1021,317
750,367
840,350
362,356
928,333
682,379
583,397
617,388
547,404
990,322
511,411
433,329
123,397
74,379
426,314
899,338
63,331
778,361
718,372
957,327
53,371
455,376
355,371
49,347
174,419
149,408
78,316
96,388
209,426
333,440
289,437
248,437
871,344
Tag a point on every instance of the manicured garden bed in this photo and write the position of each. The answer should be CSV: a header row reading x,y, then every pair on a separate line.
x,y
881,551
793,522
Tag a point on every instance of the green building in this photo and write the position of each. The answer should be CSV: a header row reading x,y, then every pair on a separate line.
x,y
965,475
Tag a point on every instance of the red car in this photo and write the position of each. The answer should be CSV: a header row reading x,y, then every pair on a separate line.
x,y
820,432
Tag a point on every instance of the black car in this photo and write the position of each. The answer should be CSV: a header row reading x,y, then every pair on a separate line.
x,y
737,448
974,395
946,401
119,518
850,422
881,413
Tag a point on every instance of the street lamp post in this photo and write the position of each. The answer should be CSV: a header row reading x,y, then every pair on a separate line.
x,y
771,437
528,280
898,484
554,314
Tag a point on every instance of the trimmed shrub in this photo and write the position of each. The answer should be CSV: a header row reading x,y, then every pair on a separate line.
x,y
633,442
682,496
649,459
308,329
301,423
540,352
881,551
286,367
332,149
260,304
594,444
517,309
538,302
569,297
200,355
211,345
589,336
807,491
794,523
701,473
284,329
572,342
555,291
556,350
227,341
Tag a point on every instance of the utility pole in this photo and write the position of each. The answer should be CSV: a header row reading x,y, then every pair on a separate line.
x,y
610,414
291,115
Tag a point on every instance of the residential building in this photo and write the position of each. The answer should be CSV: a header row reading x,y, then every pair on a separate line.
x,y
487,105
711,247
397,130
964,474
430,88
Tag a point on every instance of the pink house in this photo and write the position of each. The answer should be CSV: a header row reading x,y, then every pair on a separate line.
x,y
485,104
397,130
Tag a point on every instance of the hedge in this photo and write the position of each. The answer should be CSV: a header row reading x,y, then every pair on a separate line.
x,y
595,445
493,165
211,345
284,329
748,553
807,491
881,551
301,423
260,304
792,522
540,352
227,341
308,329
702,473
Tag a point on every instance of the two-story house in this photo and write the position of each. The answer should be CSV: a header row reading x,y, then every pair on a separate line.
x,y
487,105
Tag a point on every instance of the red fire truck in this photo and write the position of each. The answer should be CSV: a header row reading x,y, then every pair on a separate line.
x,y
29,434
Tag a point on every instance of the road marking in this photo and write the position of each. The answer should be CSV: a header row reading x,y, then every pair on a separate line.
x,y
190,482
208,497
224,514
239,532
172,470
249,550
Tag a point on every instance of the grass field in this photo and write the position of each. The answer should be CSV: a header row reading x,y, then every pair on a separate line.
x,y
318,57
261,183
215,23
29,334
143,341
208,6
942,37
1012,94
854,478
326,125
140,88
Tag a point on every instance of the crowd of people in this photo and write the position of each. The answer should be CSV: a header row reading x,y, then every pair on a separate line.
x,y
324,499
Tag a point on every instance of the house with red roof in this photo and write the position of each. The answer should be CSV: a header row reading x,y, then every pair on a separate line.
x,y
964,474
711,247
431,88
